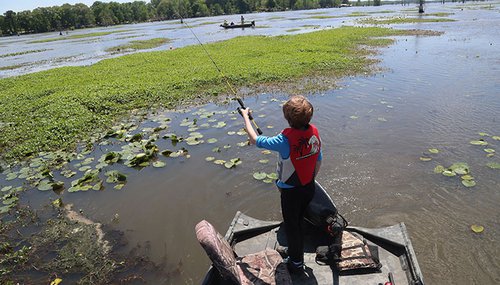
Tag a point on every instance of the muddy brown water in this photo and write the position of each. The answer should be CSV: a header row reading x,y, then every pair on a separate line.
x,y
433,92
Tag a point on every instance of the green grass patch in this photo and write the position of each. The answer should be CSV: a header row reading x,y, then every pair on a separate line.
x,y
439,14
403,21
293,30
140,44
22,52
57,108
81,36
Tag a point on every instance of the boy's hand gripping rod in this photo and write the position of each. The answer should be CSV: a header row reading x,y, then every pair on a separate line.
x,y
249,115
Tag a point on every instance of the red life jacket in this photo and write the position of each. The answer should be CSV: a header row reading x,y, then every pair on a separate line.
x,y
305,146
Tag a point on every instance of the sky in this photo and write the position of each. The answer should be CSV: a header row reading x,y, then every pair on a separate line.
x,y
21,5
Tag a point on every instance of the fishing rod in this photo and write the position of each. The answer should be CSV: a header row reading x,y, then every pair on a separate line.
x,y
223,77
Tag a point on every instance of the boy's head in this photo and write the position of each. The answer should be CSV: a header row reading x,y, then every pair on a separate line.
x,y
298,112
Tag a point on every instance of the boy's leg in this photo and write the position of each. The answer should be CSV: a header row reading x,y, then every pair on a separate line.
x,y
293,205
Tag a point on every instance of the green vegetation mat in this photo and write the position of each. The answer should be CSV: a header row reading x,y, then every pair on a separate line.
x,y
404,21
57,108
80,36
139,44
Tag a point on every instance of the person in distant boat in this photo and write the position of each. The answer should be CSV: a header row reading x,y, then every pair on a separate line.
x,y
242,20
232,23
225,23
299,161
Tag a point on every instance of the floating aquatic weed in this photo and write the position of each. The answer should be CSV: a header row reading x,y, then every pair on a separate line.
x,y
266,151
479,142
244,143
354,117
192,129
231,133
425,158
135,138
477,228
493,165
241,133
270,127
216,149
489,150
227,146
86,182
210,158
497,138
460,168
273,175
220,125
232,162
469,183
261,116
483,134
84,168
159,164
166,152
193,141
58,203
433,150
141,160
114,176
259,175
111,157
448,173
263,161
219,161
267,180
212,140
467,177
44,185
11,176
382,119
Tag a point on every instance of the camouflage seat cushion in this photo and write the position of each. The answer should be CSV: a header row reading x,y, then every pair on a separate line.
x,y
264,267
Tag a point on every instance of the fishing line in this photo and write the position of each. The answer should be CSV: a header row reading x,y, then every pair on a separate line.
x,y
223,76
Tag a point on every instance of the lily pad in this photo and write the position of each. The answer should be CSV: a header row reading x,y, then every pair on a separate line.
x,y
460,168
44,185
245,143
219,161
212,140
272,176
266,151
479,142
115,176
382,119
425,158
354,117
493,165
264,161
448,173
259,175
469,183
489,150
477,228
467,177
433,150
497,138
159,164
439,169
210,158
118,186
483,134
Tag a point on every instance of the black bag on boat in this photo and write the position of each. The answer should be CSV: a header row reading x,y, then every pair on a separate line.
x,y
349,252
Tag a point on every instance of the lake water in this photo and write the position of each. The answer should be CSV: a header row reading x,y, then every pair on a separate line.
x,y
433,92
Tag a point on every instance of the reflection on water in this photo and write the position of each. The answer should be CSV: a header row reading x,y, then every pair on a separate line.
x,y
434,92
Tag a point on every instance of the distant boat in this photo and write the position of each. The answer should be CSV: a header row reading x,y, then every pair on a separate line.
x,y
233,26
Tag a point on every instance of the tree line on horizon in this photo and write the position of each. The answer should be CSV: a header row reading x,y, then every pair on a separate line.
x,y
77,16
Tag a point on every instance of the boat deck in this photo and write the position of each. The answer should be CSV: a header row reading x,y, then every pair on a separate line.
x,y
248,235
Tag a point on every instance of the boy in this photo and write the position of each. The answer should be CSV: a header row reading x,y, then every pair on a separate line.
x,y
299,160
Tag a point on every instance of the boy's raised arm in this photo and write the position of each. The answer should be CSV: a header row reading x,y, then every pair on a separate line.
x,y
252,135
